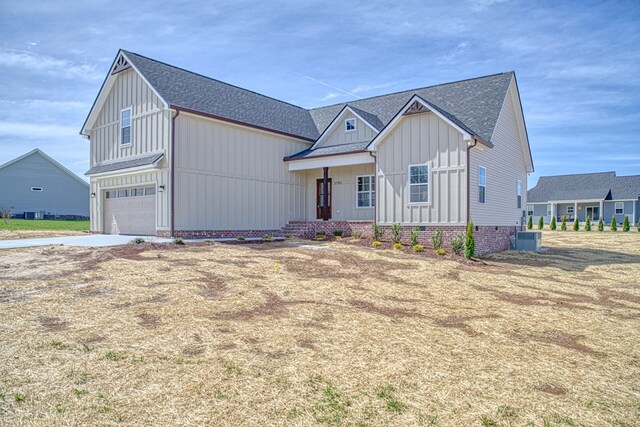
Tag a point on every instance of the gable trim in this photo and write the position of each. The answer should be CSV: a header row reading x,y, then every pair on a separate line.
x,y
513,92
50,160
335,122
107,84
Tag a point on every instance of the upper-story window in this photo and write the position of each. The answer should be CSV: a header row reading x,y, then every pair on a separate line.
x,y
482,184
519,194
350,125
125,126
418,183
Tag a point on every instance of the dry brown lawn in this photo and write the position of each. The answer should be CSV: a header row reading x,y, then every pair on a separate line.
x,y
321,334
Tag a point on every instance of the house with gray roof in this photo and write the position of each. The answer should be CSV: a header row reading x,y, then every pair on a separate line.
x,y
36,186
597,195
176,153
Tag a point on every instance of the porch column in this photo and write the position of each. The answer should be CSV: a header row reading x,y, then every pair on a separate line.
x,y
575,211
601,209
325,194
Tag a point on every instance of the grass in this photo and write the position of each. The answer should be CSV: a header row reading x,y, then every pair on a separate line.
x,y
44,224
336,334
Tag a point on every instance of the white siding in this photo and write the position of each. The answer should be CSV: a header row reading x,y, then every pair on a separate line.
x,y
505,164
230,177
418,139
343,201
338,135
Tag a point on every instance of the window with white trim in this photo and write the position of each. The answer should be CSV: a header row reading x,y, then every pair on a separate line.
x,y
350,125
366,191
519,194
571,210
36,188
482,184
125,126
619,208
418,183
529,210
549,210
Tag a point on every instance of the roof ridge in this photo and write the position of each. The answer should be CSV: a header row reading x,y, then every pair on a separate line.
x,y
584,173
413,90
215,80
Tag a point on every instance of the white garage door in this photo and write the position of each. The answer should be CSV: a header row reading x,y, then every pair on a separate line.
x,y
130,211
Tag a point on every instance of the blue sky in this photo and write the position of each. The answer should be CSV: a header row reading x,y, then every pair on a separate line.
x,y
577,63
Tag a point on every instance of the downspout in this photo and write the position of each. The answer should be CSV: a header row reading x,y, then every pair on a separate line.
x,y
470,145
172,171
375,177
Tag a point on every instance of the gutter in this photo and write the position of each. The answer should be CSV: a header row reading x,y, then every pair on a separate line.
x,y
292,158
173,170
470,145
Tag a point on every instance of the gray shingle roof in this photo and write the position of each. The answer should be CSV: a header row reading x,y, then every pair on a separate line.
x,y
330,150
133,163
474,104
588,186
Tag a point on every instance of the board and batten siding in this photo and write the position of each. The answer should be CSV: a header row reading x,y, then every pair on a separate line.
x,y
150,122
100,185
338,136
343,199
418,139
505,164
229,177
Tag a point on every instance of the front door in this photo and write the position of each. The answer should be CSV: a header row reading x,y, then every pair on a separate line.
x,y
320,200
593,212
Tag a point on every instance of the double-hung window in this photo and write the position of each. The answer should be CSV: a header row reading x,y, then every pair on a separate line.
x,y
519,194
366,191
482,184
125,126
570,210
419,184
619,208
549,210
529,210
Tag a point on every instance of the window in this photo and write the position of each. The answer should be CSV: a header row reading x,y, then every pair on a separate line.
x,y
549,210
619,208
150,191
366,191
519,194
125,126
350,125
570,210
123,193
482,184
136,192
418,184
36,188
529,210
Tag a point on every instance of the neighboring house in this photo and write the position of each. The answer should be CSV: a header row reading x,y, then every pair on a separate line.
x,y
36,186
598,195
174,153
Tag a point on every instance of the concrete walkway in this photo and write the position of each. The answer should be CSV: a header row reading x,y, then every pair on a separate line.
x,y
92,240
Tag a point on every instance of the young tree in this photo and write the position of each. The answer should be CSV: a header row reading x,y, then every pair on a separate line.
x,y
563,225
530,223
576,225
625,225
601,225
469,242
587,225
614,226
553,223
541,223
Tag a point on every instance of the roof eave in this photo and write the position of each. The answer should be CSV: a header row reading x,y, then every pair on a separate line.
x,y
291,159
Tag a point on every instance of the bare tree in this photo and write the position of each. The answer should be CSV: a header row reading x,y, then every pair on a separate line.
x,y
5,215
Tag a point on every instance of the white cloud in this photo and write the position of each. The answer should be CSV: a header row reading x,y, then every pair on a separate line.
x,y
331,95
48,65
367,88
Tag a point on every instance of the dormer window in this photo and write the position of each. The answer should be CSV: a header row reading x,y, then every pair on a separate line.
x,y
125,126
350,125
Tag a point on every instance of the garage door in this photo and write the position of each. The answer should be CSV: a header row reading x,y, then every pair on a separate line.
x,y
130,211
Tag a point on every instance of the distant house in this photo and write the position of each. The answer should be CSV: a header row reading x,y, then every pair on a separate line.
x,y
596,195
175,153
36,186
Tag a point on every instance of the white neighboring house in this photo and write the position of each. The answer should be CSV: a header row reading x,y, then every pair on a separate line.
x,y
175,153
36,186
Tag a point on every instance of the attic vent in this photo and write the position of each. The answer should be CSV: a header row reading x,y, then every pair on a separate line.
x,y
120,65
416,108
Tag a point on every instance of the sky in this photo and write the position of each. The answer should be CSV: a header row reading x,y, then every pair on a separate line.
x,y
577,63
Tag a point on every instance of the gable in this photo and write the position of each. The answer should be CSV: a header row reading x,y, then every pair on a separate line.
x,y
38,167
511,123
337,135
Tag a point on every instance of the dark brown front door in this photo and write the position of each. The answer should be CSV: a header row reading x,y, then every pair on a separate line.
x,y
320,213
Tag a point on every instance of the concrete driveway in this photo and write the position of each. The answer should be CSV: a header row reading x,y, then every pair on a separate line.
x,y
88,240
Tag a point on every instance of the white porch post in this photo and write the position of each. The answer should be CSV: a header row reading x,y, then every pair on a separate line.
x,y
575,211
635,221
554,211
601,209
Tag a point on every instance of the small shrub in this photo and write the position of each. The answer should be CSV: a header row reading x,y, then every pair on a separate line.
x,y
5,215
563,225
376,243
418,248
587,224
138,240
541,223
457,244
396,233
267,237
321,234
576,225
614,226
376,232
638,225
530,223
441,251
356,234
19,397
487,421
397,246
337,233
178,241
601,225
469,242
625,225
552,225
240,238
414,236
436,240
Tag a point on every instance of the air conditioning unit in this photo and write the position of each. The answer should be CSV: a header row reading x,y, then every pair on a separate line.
x,y
528,240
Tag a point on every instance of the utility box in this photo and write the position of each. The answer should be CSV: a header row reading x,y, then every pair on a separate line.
x,y
528,240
